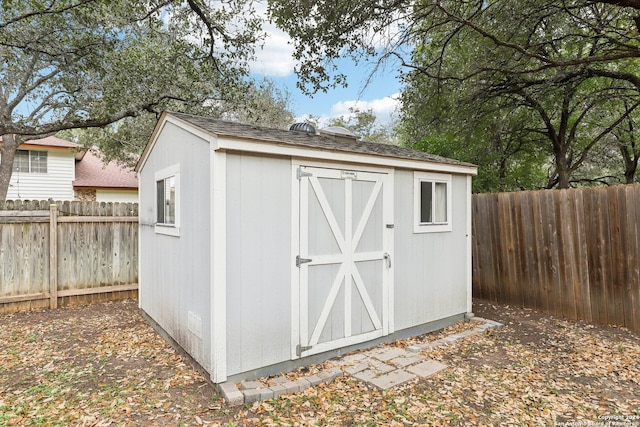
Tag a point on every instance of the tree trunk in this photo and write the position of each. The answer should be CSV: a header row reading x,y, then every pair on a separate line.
x,y
630,171
563,170
502,173
630,158
7,154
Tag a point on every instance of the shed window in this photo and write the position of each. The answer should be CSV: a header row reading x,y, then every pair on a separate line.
x,y
166,197
168,201
30,161
432,202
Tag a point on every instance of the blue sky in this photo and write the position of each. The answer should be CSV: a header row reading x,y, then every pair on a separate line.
x,y
379,95
276,62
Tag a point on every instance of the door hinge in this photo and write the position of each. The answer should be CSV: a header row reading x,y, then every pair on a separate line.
x,y
301,174
302,348
300,261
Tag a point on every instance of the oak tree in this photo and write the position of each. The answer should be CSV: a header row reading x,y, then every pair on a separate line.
x,y
69,64
564,62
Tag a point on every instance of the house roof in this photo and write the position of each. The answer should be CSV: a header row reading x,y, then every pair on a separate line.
x,y
50,141
92,172
221,128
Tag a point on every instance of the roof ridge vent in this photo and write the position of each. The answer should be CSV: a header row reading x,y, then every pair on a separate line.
x,y
303,127
339,134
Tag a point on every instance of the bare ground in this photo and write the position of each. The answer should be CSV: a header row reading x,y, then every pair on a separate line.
x,y
102,365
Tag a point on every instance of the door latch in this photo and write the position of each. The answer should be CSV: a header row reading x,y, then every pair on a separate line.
x,y
387,257
300,261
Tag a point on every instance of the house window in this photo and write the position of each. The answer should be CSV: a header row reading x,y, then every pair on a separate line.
x,y
168,201
30,161
432,202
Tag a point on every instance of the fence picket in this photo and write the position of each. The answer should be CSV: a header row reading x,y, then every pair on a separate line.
x,y
530,272
580,256
607,255
565,253
618,239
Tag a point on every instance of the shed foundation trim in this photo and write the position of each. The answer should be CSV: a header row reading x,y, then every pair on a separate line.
x,y
291,365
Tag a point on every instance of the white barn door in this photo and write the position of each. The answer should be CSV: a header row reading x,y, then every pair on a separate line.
x,y
345,257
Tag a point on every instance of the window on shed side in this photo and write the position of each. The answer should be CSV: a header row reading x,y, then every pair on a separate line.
x,y
166,200
432,210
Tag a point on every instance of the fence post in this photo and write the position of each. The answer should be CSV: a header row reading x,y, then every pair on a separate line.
x,y
53,256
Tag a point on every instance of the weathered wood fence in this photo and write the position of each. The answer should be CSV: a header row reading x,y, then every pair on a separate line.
x,y
572,253
66,253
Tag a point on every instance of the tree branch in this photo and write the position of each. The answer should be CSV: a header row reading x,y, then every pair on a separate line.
x,y
602,134
548,62
599,180
52,128
631,78
634,4
551,130
47,11
25,90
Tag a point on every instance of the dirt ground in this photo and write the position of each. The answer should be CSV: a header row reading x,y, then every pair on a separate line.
x,y
102,365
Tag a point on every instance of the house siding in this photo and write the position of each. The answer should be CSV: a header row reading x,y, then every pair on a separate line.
x,y
430,268
258,262
55,184
122,196
174,271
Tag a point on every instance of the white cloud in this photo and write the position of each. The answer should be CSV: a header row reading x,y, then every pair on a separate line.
x,y
385,109
275,58
273,54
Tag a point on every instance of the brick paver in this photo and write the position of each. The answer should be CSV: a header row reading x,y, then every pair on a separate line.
x,y
383,367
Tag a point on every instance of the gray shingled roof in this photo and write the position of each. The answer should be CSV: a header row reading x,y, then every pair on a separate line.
x,y
302,139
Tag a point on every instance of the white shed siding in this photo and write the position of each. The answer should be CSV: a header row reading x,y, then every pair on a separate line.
x,y
55,184
231,261
122,196
258,261
431,268
174,271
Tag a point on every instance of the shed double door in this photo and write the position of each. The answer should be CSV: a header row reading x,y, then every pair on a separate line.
x,y
345,257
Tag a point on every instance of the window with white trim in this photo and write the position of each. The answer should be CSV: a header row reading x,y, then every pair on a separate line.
x,y
431,202
168,201
30,161
166,192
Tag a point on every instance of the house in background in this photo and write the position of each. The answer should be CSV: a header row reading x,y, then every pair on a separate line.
x,y
102,182
52,168
264,249
43,169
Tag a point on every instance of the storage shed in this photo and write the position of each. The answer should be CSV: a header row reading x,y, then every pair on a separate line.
x,y
264,249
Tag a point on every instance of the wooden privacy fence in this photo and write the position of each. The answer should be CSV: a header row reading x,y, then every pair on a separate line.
x,y
572,253
66,253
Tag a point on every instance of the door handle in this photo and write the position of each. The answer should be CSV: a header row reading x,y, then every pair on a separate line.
x,y
387,257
